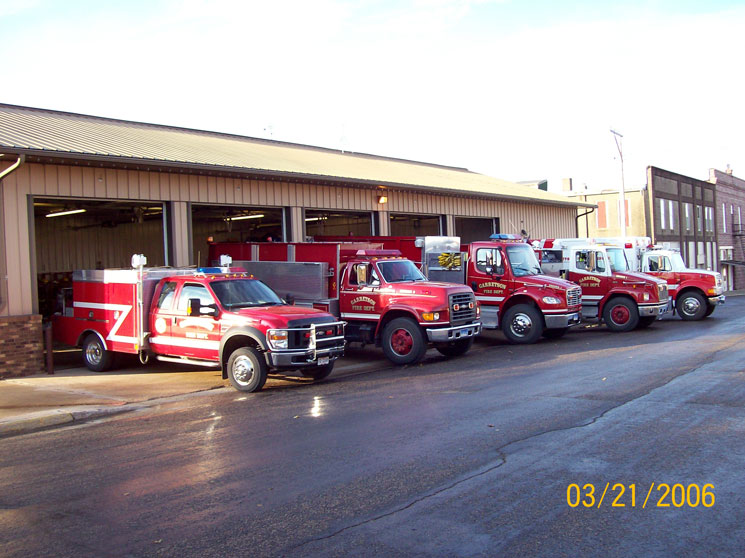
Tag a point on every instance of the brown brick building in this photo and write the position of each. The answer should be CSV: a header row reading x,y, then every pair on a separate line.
x,y
730,203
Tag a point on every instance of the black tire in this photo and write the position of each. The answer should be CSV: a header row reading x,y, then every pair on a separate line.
x,y
455,348
404,341
317,372
691,306
709,310
95,357
555,333
620,314
646,321
522,324
247,369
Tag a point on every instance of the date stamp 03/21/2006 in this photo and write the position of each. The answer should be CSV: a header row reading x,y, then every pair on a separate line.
x,y
621,495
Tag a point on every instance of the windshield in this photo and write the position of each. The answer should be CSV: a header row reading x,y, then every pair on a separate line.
x,y
523,261
678,263
617,258
398,271
241,293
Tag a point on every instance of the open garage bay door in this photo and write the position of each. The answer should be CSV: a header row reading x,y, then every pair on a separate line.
x,y
75,234
403,224
230,223
471,229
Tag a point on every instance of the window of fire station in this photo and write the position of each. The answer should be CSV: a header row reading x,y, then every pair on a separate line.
x,y
403,224
337,223
232,223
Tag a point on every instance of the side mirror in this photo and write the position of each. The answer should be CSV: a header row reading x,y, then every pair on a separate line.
x,y
195,308
289,299
474,286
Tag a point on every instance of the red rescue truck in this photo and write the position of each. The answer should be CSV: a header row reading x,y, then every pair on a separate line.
x,y
383,297
695,292
505,276
212,317
611,293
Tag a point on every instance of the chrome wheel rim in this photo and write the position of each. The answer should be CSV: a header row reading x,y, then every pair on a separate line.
x,y
521,325
243,370
94,353
691,305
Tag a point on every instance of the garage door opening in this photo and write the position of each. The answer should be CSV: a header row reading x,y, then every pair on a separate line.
x,y
222,223
471,229
337,223
75,234
403,224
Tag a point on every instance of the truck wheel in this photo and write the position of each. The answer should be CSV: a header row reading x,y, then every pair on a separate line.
x,y
646,321
691,306
403,341
522,324
555,333
709,309
247,369
455,348
621,314
317,372
96,358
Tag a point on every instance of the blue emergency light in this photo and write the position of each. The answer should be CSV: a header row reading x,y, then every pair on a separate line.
x,y
505,237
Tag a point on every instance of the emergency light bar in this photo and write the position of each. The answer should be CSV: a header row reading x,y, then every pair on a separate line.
x,y
506,237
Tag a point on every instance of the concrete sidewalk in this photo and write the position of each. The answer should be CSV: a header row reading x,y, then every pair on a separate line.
x,y
74,393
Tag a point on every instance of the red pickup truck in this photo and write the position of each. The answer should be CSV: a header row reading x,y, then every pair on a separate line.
x,y
210,318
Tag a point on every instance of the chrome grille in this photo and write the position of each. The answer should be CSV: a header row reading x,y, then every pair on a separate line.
x,y
466,307
574,296
662,289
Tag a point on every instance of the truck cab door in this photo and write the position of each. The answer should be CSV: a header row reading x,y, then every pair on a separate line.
x,y
360,294
485,272
659,265
195,336
590,269
162,317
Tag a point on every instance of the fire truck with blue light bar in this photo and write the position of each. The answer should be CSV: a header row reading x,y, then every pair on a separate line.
x,y
611,292
214,317
381,295
504,274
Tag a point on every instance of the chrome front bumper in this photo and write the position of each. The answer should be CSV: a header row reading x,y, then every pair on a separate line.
x,y
302,357
658,309
453,333
715,300
560,321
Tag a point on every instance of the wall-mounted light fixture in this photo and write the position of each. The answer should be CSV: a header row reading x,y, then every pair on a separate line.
x,y
68,212
382,196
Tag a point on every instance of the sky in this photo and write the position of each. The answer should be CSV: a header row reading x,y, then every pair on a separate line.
x,y
515,89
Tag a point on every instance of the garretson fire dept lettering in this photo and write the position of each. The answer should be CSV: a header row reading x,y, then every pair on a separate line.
x,y
364,303
589,281
492,287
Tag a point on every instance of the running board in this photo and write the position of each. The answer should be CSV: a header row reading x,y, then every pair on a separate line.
x,y
205,363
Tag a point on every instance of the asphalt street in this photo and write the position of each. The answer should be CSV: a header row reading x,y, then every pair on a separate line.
x,y
470,456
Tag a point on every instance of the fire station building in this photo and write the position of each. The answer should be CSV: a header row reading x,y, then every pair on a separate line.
x,y
83,192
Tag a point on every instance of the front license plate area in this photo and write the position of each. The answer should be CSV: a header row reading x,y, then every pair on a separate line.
x,y
323,361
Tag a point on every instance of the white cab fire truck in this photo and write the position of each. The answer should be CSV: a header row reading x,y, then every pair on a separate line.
x,y
613,294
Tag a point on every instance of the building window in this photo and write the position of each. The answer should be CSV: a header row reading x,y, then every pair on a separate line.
x,y
709,212
688,210
663,207
724,217
602,217
699,219
673,212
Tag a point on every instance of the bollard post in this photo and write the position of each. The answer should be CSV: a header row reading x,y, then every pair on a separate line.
x,y
48,343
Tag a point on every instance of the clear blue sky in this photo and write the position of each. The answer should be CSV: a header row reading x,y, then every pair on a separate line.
x,y
515,89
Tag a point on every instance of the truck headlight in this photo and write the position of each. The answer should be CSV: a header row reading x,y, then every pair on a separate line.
x,y
277,338
431,316
645,297
551,300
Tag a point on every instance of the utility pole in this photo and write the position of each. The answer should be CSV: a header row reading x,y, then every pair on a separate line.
x,y
622,213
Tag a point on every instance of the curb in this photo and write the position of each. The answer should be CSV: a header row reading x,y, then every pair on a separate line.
x,y
57,417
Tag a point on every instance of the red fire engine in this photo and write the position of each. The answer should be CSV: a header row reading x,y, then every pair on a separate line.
x,y
382,296
505,276
211,317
